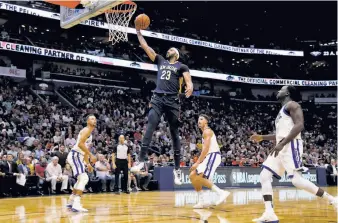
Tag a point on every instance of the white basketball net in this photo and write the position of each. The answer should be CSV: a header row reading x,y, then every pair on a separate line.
x,y
118,19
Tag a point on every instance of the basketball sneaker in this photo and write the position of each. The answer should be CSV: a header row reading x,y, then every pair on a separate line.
x,y
334,202
268,217
77,207
200,205
222,197
204,214
177,177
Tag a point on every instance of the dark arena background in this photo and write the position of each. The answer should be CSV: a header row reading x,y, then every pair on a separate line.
x,y
240,54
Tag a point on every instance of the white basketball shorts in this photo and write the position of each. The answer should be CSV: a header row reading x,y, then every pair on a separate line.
x,y
76,161
289,159
209,165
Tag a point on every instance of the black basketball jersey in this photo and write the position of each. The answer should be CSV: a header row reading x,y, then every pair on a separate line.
x,y
168,75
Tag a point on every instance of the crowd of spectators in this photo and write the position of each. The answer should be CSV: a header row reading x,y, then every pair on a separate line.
x,y
35,135
83,40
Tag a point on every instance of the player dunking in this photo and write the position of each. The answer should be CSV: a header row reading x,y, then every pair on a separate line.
x,y
287,154
78,158
165,99
202,172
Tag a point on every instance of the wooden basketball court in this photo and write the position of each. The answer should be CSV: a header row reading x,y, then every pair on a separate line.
x,y
292,206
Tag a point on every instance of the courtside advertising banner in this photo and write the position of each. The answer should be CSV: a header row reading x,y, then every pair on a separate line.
x,y
20,48
241,177
103,25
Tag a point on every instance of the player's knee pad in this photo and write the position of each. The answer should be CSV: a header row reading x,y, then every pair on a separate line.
x,y
265,176
82,180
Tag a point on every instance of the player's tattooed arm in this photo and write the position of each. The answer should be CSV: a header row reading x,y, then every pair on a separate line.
x,y
296,114
149,51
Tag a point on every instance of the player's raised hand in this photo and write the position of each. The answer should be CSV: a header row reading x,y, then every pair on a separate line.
x,y
256,138
188,90
137,24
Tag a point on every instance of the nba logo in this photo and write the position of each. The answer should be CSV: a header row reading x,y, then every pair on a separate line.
x,y
234,178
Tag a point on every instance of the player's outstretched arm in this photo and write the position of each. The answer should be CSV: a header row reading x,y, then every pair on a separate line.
x,y
259,138
149,51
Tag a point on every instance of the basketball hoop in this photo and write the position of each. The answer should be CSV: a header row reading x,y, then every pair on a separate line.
x,y
118,19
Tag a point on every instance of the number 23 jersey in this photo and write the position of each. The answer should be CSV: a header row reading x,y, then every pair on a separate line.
x,y
169,75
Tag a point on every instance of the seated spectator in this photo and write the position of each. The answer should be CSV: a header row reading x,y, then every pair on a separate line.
x,y
70,141
30,166
223,161
62,155
33,158
12,151
20,159
24,168
39,151
228,162
2,184
68,172
10,169
30,179
236,161
132,178
26,152
40,170
143,174
331,170
102,168
54,175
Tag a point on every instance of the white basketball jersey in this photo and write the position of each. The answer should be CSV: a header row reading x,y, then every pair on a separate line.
x,y
213,144
76,146
284,124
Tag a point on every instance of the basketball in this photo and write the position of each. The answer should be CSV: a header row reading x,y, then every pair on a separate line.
x,y
142,21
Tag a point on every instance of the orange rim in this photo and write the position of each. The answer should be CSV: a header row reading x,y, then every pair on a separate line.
x,y
122,10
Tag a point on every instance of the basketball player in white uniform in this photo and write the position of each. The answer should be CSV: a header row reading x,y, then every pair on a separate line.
x,y
287,154
203,170
78,158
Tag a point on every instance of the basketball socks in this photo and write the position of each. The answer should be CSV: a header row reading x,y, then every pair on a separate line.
x,y
268,202
200,195
328,197
216,189
71,197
